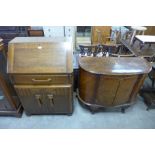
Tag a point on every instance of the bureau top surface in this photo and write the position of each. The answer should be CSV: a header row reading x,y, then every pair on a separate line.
x,y
115,66
32,55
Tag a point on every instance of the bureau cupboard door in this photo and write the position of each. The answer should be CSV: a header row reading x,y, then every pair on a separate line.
x,y
46,99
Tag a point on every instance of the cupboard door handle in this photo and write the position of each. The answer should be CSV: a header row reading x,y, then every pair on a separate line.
x,y
51,99
36,80
38,98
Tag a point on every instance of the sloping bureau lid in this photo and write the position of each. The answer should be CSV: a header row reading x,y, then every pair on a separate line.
x,y
36,55
115,65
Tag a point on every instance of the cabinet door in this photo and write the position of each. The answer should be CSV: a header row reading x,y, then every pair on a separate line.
x,y
106,91
115,91
55,99
124,90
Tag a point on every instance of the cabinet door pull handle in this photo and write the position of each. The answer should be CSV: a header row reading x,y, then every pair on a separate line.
x,y
51,99
47,80
38,98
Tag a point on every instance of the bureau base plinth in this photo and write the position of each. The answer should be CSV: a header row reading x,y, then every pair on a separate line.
x,y
67,114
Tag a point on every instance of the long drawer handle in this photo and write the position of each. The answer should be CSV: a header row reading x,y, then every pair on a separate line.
x,y
36,80
39,101
51,99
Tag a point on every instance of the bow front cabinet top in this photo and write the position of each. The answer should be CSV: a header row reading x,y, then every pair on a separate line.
x,y
115,66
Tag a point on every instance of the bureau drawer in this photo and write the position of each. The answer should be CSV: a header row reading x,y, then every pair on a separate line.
x,y
41,79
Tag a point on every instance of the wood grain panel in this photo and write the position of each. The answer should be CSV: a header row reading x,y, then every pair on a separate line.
x,y
105,32
87,85
62,98
105,82
106,91
41,70
150,30
40,55
124,90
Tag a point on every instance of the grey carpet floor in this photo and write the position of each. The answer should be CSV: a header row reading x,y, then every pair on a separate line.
x,y
135,117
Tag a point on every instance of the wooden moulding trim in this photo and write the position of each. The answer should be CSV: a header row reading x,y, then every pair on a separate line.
x,y
43,86
10,57
115,74
125,55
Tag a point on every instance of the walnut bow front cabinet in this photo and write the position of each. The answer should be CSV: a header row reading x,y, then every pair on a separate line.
x,y
110,82
41,71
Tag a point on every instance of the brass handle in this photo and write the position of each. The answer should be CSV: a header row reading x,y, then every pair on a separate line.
x,y
38,98
51,99
36,80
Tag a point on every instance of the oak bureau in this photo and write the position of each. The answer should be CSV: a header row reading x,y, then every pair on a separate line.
x,y
41,71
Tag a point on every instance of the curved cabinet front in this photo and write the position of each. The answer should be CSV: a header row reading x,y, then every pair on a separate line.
x,y
107,89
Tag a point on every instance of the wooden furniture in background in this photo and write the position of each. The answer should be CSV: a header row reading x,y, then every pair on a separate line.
x,y
145,52
88,50
149,98
9,102
148,91
42,74
137,30
2,49
7,33
100,34
110,82
150,30
35,32
152,76
145,39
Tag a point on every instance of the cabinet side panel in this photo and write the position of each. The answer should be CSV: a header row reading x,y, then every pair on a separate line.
x,y
87,86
